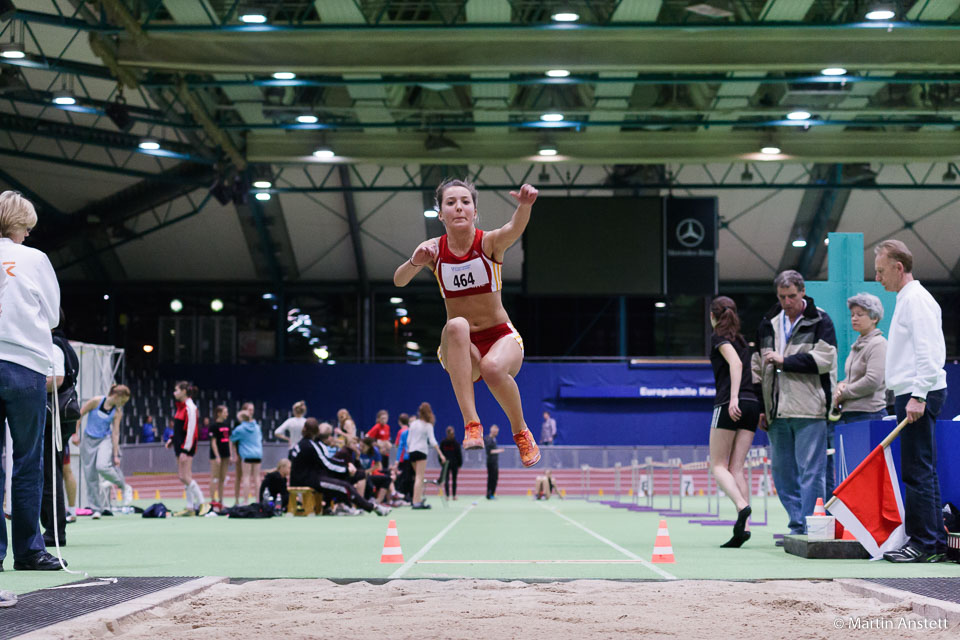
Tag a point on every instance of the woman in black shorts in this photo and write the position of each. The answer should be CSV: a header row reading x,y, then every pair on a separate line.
x,y
219,453
736,411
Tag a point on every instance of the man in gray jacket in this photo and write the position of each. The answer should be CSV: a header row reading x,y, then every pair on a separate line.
x,y
796,369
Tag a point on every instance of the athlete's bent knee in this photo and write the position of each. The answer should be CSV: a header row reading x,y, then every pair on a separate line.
x,y
458,328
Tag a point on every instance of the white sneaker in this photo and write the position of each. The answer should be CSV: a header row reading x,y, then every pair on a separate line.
x,y
95,515
127,495
382,509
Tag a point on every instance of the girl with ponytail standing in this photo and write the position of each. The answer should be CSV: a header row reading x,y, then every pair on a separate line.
x,y
184,440
736,411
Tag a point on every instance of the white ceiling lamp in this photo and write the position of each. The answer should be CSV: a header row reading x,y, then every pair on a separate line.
x,y
552,117
262,184
798,115
430,213
881,11
557,73
799,241
396,300
262,196
307,119
833,71
324,153
770,150
284,75
12,51
63,97
660,305
253,16
565,16
547,150
149,144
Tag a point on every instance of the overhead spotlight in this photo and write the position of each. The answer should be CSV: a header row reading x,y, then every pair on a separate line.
x,y
268,296
284,75
253,16
176,305
63,97
430,213
119,114
106,296
439,142
826,241
547,150
262,196
324,153
552,117
405,320
262,184
833,71
322,353
216,305
413,346
565,16
557,73
149,144
660,305
396,300
12,51
799,241
798,115
950,175
307,119
770,150
400,311
880,11
747,175
222,191
7,10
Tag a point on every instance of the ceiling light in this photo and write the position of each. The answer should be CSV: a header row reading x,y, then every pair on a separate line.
x,y
262,196
176,306
119,114
148,348
396,300
547,150
660,305
413,346
833,71
826,241
262,184
799,241
798,115
747,175
63,97
400,311
950,175
322,353
149,144
770,150
558,73
430,213
268,296
324,153
216,305
552,117
12,51
284,75
307,119
565,16
880,11
253,17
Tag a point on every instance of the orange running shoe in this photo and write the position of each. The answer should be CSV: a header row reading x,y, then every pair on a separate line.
x,y
529,451
473,435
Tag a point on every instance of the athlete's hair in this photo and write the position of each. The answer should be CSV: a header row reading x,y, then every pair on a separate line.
x,y
221,409
454,182
189,387
244,416
382,412
300,409
16,213
120,390
425,413
724,311
451,433
403,419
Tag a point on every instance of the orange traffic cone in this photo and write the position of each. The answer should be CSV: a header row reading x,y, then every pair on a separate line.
x,y
662,549
391,554
157,497
819,510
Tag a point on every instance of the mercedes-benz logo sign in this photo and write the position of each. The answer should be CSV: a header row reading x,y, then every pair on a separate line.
x,y
690,232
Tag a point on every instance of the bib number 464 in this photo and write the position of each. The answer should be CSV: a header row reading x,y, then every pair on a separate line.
x,y
463,280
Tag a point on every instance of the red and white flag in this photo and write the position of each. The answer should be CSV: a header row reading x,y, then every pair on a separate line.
x,y
868,504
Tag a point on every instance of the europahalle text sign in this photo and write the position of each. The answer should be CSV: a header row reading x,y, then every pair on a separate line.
x,y
633,391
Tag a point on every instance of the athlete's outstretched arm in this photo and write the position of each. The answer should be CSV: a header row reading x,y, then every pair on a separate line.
x,y
503,238
424,256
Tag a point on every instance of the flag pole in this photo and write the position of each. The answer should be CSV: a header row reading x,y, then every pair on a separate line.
x,y
885,443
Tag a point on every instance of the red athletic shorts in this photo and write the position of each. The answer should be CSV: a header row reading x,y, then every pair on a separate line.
x,y
486,338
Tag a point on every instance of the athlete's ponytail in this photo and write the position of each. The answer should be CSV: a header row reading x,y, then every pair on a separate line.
x,y
189,387
724,312
120,390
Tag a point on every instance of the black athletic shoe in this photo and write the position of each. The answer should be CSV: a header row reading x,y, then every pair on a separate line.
x,y
736,541
908,553
43,561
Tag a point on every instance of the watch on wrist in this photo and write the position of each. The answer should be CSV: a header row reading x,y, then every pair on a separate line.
x,y
918,399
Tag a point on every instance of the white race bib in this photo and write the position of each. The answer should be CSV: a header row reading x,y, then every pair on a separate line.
x,y
467,275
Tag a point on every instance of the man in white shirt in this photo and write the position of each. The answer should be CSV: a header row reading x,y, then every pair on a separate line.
x,y
916,353
548,431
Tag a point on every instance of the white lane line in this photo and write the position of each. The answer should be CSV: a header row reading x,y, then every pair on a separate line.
x,y
629,554
423,550
530,562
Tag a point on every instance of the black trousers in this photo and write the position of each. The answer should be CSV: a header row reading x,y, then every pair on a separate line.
x,y
493,475
345,491
922,505
451,474
52,477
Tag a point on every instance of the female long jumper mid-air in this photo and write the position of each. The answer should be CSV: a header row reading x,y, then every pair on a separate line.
x,y
478,339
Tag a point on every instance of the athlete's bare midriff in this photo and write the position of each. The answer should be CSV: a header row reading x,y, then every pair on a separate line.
x,y
481,311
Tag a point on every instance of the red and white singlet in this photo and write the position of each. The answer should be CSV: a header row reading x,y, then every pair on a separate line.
x,y
467,275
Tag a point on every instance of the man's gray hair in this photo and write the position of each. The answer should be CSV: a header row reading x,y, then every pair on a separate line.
x,y
326,430
869,303
789,278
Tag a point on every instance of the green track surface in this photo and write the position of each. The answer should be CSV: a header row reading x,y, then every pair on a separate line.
x,y
508,529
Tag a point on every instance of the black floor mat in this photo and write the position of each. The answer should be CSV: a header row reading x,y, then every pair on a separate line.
x,y
947,589
39,609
